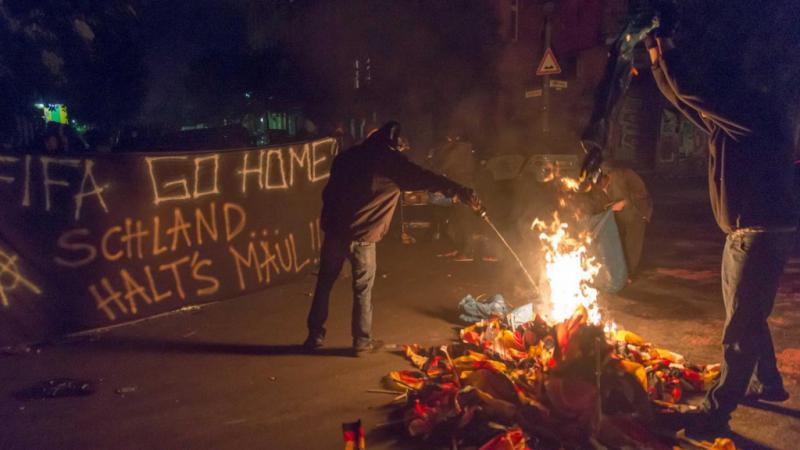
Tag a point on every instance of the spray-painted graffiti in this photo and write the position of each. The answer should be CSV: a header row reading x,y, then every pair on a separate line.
x,y
269,169
117,237
681,147
636,128
11,278
74,177
668,136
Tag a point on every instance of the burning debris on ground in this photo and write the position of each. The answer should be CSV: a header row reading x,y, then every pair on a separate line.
x,y
561,385
563,377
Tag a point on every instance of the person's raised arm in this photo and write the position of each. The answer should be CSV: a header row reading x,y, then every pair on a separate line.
x,y
410,177
667,88
671,71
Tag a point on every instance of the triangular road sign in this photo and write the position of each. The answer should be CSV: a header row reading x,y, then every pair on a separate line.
x,y
548,65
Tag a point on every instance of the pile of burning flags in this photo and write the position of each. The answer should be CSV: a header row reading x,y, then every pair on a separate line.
x,y
563,378
537,385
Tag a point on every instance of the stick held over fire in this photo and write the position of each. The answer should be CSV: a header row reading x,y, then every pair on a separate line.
x,y
485,216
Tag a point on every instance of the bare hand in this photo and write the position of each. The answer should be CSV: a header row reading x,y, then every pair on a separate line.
x,y
475,203
467,197
618,206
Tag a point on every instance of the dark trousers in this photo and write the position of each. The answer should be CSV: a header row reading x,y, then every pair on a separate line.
x,y
752,264
362,259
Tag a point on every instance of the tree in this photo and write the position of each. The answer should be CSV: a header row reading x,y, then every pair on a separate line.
x,y
229,85
84,53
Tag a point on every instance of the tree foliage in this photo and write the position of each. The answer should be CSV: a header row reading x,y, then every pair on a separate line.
x,y
230,84
84,53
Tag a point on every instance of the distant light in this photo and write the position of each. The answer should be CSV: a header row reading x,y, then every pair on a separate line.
x,y
262,119
248,94
53,112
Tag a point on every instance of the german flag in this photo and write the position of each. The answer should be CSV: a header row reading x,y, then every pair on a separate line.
x,y
353,436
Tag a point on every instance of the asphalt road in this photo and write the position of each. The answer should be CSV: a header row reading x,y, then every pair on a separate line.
x,y
231,375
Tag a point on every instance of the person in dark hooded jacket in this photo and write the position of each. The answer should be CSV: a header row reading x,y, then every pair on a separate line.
x,y
357,208
752,196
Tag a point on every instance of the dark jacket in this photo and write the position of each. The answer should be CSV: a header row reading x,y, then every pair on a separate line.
x,y
364,187
750,173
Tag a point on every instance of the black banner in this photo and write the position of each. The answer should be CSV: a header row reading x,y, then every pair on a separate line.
x,y
94,240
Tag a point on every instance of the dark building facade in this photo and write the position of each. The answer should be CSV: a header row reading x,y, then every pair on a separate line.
x,y
645,132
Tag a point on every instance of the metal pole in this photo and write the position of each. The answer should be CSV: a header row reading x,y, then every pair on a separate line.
x,y
548,9
485,217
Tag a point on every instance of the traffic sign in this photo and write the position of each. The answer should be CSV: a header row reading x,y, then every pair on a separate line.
x,y
548,65
533,93
558,84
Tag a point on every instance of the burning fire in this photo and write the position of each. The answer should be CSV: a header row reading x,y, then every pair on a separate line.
x,y
570,272
570,184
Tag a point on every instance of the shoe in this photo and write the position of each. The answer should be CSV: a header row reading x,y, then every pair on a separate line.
x,y
371,345
313,342
757,391
703,425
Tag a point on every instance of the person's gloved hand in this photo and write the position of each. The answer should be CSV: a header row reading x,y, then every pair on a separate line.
x,y
590,166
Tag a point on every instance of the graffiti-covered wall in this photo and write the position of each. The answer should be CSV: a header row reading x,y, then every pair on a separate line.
x,y
682,148
94,240
634,129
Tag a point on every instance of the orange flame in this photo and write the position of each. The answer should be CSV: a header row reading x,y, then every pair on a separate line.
x,y
570,272
570,184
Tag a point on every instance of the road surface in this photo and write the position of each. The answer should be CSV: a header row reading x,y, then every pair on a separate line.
x,y
231,375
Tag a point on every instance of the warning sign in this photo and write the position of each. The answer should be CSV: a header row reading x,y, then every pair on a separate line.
x,y
548,65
